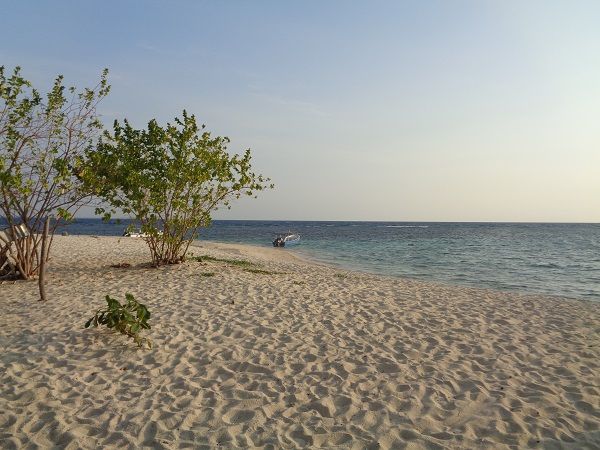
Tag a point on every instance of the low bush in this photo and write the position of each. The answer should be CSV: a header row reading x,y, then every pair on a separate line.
x,y
233,262
262,271
129,318
247,266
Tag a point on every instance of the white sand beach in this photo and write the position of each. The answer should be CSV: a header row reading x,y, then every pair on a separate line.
x,y
290,354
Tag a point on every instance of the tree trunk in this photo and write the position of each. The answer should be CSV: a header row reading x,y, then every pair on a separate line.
x,y
42,268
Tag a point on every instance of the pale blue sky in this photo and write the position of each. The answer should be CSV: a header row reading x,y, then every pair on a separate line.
x,y
439,110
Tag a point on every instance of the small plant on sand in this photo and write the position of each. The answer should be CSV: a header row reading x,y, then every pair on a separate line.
x,y
233,262
262,271
129,318
247,266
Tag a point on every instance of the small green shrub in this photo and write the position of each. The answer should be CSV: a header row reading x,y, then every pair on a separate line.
x,y
129,318
233,262
207,274
262,272
196,258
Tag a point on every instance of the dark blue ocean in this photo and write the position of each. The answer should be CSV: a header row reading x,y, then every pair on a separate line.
x,y
553,259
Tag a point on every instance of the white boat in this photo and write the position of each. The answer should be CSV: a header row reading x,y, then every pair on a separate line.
x,y
139,234
135,235
286,239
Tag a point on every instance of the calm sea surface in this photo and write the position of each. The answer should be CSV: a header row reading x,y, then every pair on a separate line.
x,y
555,259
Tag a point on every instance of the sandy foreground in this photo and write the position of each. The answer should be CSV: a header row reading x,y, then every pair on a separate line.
x,y
309,356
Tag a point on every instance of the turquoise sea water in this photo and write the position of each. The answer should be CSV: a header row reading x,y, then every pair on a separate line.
x,y
553,259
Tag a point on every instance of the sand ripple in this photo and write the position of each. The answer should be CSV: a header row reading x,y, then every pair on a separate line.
x,y
308,357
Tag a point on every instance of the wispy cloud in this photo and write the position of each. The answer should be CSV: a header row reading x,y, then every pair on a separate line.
x,y
148,47
298,105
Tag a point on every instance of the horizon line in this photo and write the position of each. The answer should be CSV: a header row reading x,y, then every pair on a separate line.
x,y
3,218
384,221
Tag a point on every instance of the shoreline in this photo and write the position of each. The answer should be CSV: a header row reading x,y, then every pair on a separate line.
x,y
315,262
283,353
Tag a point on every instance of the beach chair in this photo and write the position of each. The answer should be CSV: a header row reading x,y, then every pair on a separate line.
x,y
7,237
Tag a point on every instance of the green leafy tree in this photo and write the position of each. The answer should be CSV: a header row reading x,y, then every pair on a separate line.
x,y
170,179
42,140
